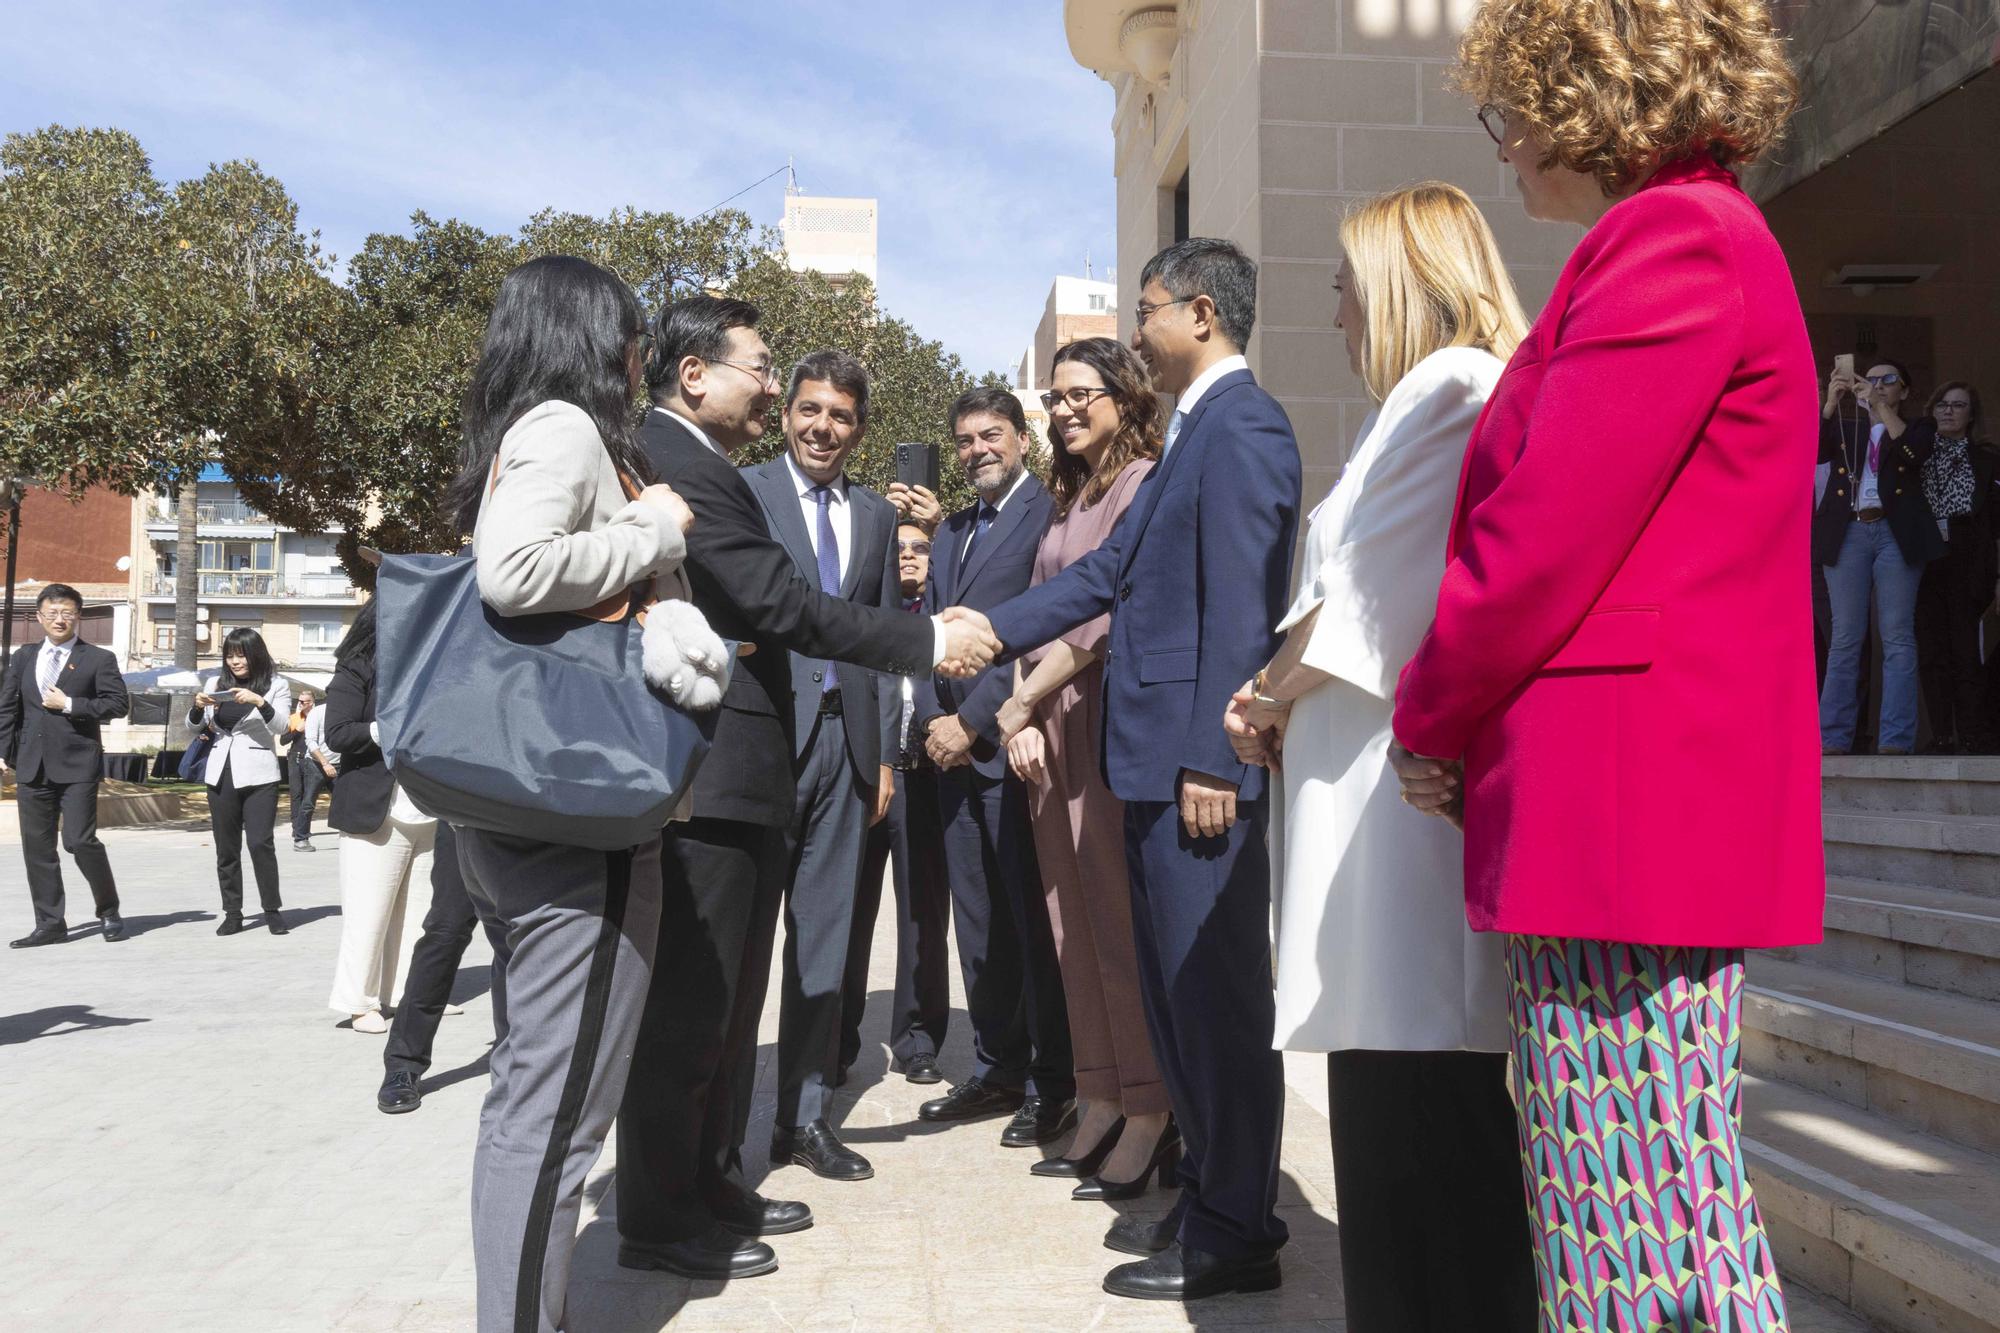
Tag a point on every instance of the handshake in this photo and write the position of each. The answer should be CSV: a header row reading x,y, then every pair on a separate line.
x,y
970,644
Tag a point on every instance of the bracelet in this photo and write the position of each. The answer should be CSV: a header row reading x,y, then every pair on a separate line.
x,y
1257,695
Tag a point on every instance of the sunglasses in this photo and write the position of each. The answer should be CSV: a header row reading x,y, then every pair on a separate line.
x,y
918,548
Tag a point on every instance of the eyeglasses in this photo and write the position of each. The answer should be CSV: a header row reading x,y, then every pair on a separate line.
x,y
1494,121
50,611
915,548
1888,381
1077,399
765,371
1145,310
1949,406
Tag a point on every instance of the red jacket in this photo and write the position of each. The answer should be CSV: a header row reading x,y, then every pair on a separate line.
x,y
1623,649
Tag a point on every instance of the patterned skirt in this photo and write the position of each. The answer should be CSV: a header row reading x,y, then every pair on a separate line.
x,y
1627,1083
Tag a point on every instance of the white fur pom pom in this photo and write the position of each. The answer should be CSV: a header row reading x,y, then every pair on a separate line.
x,y
684,657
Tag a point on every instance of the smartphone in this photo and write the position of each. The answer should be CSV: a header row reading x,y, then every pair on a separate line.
x,y
917,465
1843,366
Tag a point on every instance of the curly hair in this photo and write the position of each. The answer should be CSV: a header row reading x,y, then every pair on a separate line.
x,y
1071,479
1616,87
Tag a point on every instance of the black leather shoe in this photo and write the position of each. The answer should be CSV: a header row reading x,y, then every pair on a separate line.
x,y
840,1077
920,1069
1185,1274
1076,1168
40,935
114,927
1039,1121
1166,1160
1132,1235
399,1093
755,1215
819,1149
970,1100
715,1254
274,920
231,925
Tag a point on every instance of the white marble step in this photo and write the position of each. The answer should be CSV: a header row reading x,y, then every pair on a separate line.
x,y
1932,938
1960,853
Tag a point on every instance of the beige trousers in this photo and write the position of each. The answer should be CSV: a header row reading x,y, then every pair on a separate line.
x,y
385,881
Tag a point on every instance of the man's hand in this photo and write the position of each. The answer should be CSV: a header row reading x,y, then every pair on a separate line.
x,y
970,645
1256,731
1208,804
1028,755
328,769
54,699
885,792
1014,717
916,505
1434,786
948,742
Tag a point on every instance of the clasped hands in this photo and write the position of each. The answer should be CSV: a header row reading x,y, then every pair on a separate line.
x,y
1256,727
1432,786
970,644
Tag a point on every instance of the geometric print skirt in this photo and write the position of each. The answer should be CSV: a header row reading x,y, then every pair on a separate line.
x,y
1627,1083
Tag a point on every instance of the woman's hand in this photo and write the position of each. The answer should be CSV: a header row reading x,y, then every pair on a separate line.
x,y
1013,717
1434,786
916,505
668,501
1256,730
204,700
1027,755
1836,384
248,698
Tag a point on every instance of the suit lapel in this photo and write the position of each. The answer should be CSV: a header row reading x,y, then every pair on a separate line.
x,y
1012,515
944,561
773,485
864,522
1185,443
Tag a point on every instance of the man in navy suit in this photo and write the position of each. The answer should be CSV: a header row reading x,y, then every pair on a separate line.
x,y
841,536
53,700
983,555
1194,577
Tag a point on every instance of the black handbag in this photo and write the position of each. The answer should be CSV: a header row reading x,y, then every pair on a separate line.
x,y
541,726
194,759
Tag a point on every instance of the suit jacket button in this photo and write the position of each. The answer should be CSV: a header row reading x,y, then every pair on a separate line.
x,y
815,676
1124,592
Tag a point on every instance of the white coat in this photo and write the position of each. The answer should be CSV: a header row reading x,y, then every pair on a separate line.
x,y
249,748
1373,948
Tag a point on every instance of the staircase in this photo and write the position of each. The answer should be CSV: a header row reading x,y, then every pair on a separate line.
x,y
1872,1096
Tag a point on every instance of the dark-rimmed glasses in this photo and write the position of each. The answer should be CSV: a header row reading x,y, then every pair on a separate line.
x,y
1948,405
1494,121
1888,381
914,547
1076,399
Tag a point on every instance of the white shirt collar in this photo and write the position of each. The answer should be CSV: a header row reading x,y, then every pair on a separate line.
x,y
806,485
1206,381
699,433
65,647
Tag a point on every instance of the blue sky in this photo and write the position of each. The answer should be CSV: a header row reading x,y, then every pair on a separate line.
x,y
989,149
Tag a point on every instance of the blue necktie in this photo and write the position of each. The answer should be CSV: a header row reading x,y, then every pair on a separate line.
x,y
1173,429
829,568
980,527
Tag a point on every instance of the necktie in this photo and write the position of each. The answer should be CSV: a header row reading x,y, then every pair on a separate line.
x,y
1173,429
48,667
1875,455
987,514
829,568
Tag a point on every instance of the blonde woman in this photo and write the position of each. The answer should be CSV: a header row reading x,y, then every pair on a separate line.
x,y
1376,964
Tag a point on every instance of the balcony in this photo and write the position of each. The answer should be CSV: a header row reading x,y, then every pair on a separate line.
x,y
262,586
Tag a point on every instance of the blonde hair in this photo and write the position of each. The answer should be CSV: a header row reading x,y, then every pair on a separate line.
x,y
1617,87
1428,275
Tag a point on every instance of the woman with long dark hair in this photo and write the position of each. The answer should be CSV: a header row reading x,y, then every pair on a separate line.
x,y
550,494
1962,485
1104,426
243,707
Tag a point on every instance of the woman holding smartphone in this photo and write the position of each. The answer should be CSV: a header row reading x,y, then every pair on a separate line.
x,y
245,707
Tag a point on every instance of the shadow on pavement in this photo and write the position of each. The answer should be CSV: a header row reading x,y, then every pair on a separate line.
x,y
136,926
471,983
57,1021
479,1068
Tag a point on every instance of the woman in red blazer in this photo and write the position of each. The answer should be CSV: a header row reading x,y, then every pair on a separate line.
x,y
1617,693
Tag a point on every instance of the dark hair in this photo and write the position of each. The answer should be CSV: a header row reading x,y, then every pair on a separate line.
x,y
842,371
1071,478
994,398
59,592
695,327
1215,268
256,657
562,330
359,641
1973,419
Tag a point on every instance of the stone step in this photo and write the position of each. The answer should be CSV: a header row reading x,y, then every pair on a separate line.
x,y
1913,784
1898,1225
1940,851
1931,938
1927,1059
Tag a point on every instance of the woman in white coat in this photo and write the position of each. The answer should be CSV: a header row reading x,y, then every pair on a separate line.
x,y
1376,964
245,707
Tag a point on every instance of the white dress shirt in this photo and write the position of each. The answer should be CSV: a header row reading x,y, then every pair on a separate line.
x,y
998,506
49,664
1202,383
314,736
839,512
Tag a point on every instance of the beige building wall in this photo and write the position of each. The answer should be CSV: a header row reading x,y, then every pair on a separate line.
x,y
1281,114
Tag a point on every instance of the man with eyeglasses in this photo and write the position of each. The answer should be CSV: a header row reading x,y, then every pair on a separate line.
x,y
54,699
683,1202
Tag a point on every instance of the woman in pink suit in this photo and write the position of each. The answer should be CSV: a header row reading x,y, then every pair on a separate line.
x,y
1616,696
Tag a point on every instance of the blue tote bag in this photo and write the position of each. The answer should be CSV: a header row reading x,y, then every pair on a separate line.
x,y
538,726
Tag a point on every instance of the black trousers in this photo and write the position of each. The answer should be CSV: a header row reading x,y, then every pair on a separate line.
x,y
1949,602
1006,948
687,1102
910,842
237,814
1433,1214
308,781
434,961
72,807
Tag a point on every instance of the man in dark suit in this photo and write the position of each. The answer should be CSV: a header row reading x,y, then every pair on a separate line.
x,y
55,696
909,843
1195,576
841,537
983,555
683,1204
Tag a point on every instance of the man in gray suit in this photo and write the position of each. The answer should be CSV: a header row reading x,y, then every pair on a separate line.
x,y
842,537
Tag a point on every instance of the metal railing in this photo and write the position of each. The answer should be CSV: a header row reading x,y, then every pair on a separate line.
x,y
214,512
320,586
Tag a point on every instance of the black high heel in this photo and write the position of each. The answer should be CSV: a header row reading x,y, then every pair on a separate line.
x,y
1166,1161
1075,1168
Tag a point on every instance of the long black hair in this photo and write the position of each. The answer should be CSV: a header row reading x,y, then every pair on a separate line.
x,y
256,657
359,641
561,329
